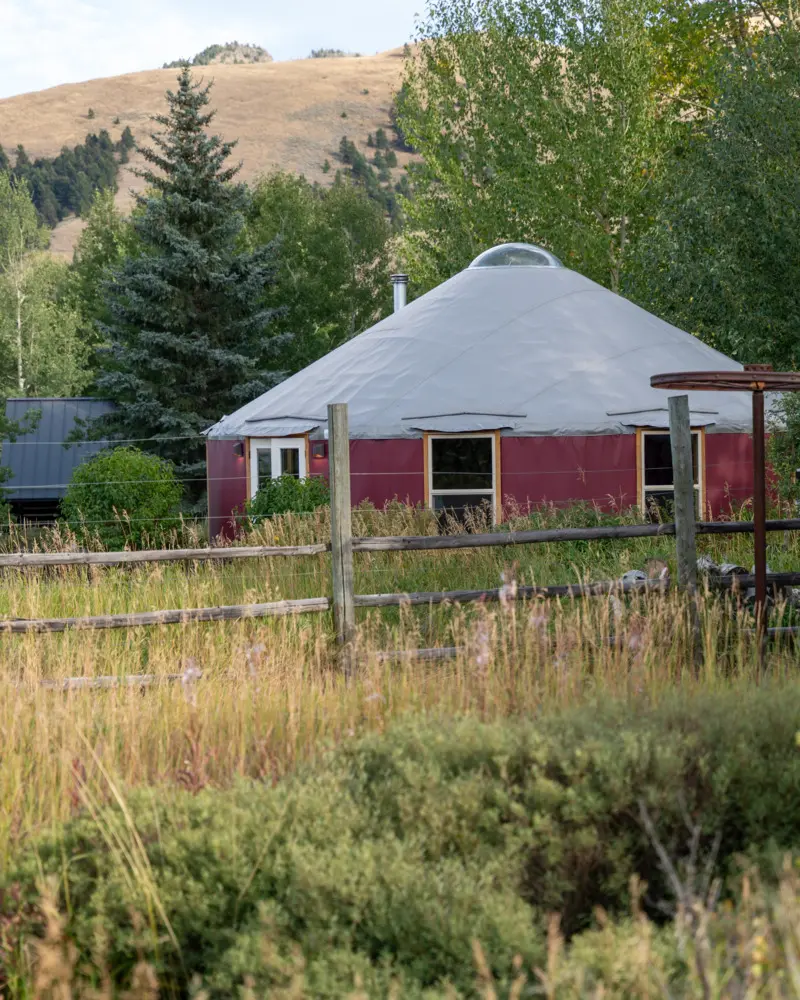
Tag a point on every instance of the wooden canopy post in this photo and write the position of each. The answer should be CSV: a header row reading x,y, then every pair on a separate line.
x,y
760,512
680,436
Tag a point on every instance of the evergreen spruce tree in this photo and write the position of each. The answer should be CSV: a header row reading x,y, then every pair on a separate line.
x,y
188,326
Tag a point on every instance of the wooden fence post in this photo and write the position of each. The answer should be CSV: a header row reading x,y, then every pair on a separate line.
x,y
680,435
344,614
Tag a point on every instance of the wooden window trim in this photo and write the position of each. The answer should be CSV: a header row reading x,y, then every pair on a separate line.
x,y
701,464
494,436
498,481
274,437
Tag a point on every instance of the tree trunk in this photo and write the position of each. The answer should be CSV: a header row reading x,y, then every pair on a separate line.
x,y
20,372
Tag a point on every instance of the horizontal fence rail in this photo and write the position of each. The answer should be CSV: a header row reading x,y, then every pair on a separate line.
x,y
413,543
185,616
122,681
410,543
519,593
274,609
20,560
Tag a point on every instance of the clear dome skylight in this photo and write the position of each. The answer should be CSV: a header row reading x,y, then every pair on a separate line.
x,y
516,255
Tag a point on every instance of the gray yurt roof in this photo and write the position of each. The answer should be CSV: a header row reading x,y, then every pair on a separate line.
x,y
514,342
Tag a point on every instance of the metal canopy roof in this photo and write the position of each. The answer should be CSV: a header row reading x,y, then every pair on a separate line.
x,y
754,378
545,349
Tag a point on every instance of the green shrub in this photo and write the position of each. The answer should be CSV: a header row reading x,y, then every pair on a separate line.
x,y
123,497
288,495
387,859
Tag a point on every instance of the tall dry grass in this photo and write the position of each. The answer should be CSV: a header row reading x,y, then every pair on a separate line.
x,y
256,698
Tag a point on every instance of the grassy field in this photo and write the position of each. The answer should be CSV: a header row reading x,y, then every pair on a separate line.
x,y
271,692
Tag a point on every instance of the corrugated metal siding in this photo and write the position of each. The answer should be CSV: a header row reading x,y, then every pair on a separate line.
x,y
40,466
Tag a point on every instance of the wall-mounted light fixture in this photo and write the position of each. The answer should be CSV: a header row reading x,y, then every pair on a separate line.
x,y
238,449
319,449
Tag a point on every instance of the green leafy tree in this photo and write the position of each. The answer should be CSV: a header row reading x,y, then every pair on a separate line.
x,y
690,36
188,328
101,248
41,331
124,497
21,236
723,261
333,278
396,112
536,121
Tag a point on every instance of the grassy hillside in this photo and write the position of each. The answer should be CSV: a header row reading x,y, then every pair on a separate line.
x,y
290,115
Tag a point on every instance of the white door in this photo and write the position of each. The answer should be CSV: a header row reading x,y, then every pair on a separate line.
x,y
274,457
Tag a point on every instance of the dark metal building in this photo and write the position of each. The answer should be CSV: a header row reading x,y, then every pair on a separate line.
x,y
40,463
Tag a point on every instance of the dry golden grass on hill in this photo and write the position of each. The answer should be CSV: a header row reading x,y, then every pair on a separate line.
x,y
288,115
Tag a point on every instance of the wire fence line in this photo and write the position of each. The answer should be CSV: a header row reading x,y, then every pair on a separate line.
x,y
578,472
368,545
343,545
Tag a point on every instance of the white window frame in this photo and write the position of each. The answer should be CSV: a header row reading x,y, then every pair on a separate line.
x,y
274,445
699,485
431,492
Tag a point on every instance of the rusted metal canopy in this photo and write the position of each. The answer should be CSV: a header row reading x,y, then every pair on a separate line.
x,y
754,378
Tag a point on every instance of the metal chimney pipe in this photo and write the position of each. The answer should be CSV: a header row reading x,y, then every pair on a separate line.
x,y
400,288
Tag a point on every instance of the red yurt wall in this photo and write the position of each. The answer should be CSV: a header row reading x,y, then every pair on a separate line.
x,y
383,470
596,469
227,484
729,471
599,469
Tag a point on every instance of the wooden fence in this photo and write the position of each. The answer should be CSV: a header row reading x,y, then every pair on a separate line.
x,y
343,546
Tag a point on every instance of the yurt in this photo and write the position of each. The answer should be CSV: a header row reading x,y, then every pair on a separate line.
x,y
517,382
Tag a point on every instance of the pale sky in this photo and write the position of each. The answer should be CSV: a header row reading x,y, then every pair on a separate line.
x,y
47,42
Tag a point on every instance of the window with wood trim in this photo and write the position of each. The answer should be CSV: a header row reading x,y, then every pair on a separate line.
x,y
461,472
274,457
657,485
